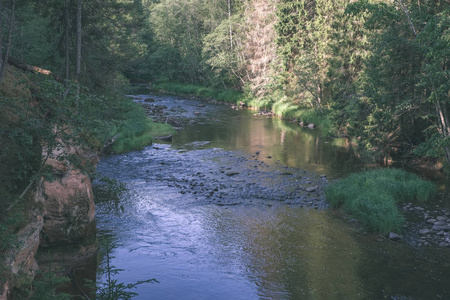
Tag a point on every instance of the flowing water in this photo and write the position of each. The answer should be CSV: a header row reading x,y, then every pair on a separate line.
x,y
233,208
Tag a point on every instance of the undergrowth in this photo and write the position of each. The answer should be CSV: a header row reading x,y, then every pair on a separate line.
x,y
372,196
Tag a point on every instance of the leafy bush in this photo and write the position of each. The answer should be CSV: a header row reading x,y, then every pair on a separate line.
x,y
372,196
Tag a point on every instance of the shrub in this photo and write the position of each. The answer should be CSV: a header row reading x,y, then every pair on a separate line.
x,y
372,196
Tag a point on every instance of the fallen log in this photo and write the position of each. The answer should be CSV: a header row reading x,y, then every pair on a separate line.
x,y
26,67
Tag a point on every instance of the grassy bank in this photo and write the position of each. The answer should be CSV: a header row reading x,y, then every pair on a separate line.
x,y
135,130
372,197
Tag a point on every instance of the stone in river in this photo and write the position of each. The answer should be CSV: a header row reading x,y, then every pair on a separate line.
x,y
439,223
312,189
439,227
230,173
424,231
395,237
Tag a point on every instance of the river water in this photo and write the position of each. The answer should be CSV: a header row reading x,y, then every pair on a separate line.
x,y
233,208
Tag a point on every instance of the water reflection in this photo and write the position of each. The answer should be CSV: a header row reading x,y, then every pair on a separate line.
x,y
275,139
201,251
306,254
239,253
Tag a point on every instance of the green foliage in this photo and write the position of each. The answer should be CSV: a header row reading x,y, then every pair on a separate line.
x,y
372,196
41,117
402,78
180,25
32,41
360,62
222,55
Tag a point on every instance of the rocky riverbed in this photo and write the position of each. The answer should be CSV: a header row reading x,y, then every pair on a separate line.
x,y
242,179
427,226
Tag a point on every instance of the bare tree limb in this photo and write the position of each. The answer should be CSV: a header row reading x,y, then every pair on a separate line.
x,y
405,10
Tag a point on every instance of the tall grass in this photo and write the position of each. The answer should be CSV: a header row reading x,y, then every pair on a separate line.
x,y
372,196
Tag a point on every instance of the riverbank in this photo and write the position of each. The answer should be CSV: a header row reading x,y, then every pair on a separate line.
x,y
218,203
181,111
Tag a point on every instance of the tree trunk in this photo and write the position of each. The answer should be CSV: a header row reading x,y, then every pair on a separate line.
x,y
66,40
319,96
229,21
8,45
1,41
444,125
78,56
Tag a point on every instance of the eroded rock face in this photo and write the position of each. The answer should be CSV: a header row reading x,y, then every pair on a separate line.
x,y
68,202
64,215
68,209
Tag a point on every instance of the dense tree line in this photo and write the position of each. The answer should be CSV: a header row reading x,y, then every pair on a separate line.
x,y
377,68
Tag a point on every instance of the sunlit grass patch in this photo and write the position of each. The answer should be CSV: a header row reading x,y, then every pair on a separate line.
x,y
372,196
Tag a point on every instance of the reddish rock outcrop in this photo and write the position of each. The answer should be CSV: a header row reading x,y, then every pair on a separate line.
x,y
68,209
63,216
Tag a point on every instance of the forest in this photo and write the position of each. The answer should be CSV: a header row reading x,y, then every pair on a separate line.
x,y
376,72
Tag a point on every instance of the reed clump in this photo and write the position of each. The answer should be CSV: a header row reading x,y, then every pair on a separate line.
x,y
373,196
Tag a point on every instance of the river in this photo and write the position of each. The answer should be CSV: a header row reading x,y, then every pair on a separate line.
x,y
233,208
